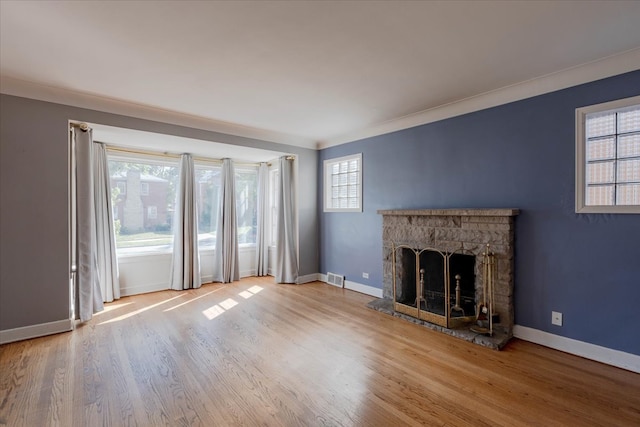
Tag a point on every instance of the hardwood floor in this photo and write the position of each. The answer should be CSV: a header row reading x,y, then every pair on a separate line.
x,y
255,353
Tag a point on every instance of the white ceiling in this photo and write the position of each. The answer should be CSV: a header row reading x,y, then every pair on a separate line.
x,y
308,71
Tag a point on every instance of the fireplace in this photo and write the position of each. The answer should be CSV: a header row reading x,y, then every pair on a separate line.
x,y
435,286
438,265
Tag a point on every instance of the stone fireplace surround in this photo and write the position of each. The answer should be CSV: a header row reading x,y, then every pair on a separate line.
x,y
456,230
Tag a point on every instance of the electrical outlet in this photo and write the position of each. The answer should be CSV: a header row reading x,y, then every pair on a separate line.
x,y
556,318
365,275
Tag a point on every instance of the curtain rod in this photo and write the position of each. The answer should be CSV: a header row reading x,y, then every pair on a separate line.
x,y
177,156
82,126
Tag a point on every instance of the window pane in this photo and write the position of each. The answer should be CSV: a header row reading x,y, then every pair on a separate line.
x,y
628,194
600,172
273,197
207,199
601,124
629,171
344,180
353,178
601,195
246,204
143,212
629,121
629,146
601,149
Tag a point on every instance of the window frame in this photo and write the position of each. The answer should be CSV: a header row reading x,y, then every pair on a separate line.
x,y
245,168
203,165
581,162
147,158
328,184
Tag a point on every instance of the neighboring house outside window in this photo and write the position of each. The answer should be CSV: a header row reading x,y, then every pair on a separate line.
x,y
608,157
343,184
143,196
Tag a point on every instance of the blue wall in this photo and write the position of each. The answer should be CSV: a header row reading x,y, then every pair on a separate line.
x,y
518,155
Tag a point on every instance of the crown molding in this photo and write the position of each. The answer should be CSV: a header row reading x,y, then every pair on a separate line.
x,y
591,71
595,70
28,89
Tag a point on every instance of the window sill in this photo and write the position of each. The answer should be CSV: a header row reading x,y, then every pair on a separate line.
x,y
145,253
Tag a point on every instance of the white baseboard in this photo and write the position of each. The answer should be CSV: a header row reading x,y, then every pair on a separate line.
x,y
247,273
308,278
127,291
606,355
363,289
354,286
34,331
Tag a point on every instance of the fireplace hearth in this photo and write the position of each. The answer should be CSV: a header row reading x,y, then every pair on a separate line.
x,y
435,271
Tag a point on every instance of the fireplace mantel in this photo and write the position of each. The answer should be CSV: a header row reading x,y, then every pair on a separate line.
x,y
450,212
458,230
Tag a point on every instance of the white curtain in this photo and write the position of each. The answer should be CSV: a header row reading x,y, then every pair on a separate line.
x,y
226,268
88,298
185,267
107,262
287,251
262,229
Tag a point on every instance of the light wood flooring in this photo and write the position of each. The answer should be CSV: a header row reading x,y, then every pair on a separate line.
x,y
255,353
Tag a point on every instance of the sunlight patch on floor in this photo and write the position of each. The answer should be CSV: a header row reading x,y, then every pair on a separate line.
x,y
110,307
133,313
228,303
216,310
245,294
255,289
213,312
193,299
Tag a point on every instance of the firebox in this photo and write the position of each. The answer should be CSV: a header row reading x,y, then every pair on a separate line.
x,y
434,285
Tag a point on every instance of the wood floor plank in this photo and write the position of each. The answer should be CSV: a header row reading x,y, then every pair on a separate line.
x,y
256,353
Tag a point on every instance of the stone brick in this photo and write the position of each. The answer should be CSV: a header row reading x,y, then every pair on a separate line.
x,y
488,219
485,226
438,221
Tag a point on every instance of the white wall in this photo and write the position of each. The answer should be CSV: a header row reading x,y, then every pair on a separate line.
x,y
151,272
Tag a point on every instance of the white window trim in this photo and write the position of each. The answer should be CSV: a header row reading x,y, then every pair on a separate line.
x,y
328,183
581,114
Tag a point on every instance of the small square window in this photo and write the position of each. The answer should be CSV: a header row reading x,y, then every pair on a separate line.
x,y
343,184
608,157
144,188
